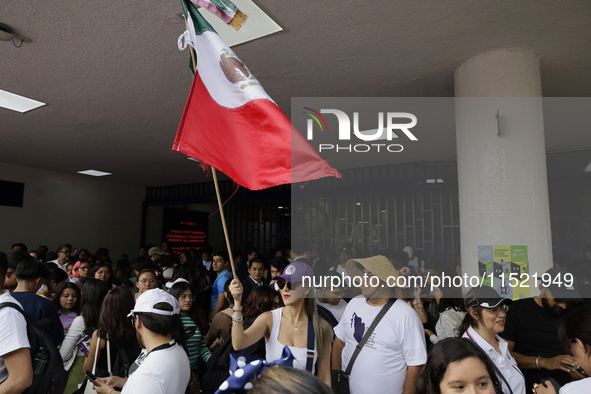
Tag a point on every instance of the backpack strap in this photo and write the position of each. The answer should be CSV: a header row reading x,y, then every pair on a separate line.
x,y
14,306
368,333
311,345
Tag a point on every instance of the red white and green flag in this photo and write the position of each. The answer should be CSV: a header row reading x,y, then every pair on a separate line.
x,y
231,124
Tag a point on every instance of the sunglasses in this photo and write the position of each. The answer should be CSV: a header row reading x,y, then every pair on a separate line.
x,y
282,282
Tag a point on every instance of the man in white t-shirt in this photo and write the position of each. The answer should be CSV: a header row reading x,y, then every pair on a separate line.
x,y
163,368
16,369
392,358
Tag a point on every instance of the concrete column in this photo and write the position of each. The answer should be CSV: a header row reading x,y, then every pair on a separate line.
x,y
503,187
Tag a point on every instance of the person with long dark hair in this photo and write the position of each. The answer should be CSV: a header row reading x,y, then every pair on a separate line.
x,y
56,277
103,271
574,332
114,328
163,366
67,300
76,344
485,319
219,331
192,322
457,365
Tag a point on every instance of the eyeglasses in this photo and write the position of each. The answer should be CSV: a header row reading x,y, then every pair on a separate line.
x,y
132,318
498,309
65,251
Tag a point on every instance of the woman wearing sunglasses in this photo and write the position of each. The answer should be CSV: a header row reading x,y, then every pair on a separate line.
x,y
482,324
288,326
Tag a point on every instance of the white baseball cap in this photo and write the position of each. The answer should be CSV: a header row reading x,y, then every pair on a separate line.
x,y
179,280
146,301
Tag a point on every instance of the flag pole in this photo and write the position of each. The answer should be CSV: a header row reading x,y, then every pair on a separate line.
x,y
215,181
217,192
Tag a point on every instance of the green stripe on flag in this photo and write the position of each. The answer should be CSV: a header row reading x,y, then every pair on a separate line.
x,y
201,25
223,4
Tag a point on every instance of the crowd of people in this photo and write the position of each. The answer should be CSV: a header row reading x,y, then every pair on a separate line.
x,y
166,322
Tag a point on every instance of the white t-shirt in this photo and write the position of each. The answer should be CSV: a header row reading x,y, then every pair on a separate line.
x,y
13,335
336,310
504,362
165,370
582,386
397,342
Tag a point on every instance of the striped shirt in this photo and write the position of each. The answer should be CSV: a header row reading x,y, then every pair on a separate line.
x,y
195,344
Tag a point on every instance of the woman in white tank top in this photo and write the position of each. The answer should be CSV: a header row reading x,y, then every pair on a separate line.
x,y
287,326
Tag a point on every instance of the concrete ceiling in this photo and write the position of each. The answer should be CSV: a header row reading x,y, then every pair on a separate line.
x,y
116,84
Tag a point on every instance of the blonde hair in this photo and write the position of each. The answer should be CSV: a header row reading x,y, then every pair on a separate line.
x,y
286,380
322,329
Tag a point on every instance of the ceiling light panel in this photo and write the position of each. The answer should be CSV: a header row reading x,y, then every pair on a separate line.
x,y
94,173
18,103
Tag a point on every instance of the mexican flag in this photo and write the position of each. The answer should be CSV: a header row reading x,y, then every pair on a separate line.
x,y
231,124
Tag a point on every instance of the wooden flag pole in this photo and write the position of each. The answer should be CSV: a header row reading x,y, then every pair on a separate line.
x,y
217,192
215,181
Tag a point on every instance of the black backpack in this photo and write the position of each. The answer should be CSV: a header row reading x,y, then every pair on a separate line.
x,y
49,376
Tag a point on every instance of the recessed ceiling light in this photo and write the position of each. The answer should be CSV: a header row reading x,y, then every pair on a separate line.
x,y
94,173
18,103
192,159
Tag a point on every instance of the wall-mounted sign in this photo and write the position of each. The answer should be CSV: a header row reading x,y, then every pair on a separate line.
x,y
505,268
184,229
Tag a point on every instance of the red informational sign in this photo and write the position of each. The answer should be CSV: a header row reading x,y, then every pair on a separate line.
x,y
184,229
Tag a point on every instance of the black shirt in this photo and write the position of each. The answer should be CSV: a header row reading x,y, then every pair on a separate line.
x,y
535,333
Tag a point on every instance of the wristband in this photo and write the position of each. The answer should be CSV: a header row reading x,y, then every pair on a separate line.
x,y
415,302
237,319
537,362
110,392
236,309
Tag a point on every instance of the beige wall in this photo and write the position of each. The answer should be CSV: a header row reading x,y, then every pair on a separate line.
x,y
61,208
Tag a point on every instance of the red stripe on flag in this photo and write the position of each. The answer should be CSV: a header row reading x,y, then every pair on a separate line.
x,y
255,144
